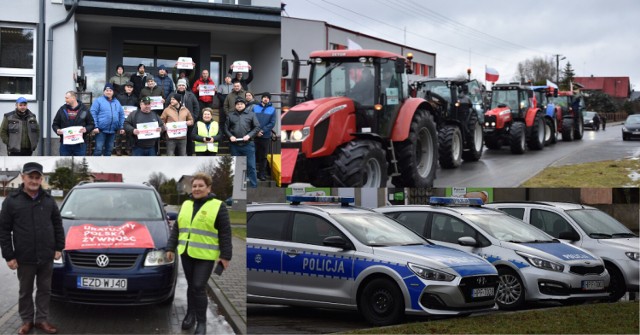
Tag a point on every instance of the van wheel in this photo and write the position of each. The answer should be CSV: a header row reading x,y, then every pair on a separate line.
x,y
381,302
617,286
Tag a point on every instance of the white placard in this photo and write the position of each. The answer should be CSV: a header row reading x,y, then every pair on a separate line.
x,y
72,135
156,102
184,63
128,110
392,96
240,66
148,130
206,90
176,129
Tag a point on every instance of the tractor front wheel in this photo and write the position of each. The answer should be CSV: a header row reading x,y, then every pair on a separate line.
x,y
418,155
536,138
450,147
361,163
567,130
475,135
518,138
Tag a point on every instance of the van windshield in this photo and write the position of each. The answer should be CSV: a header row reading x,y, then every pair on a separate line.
x,y
112,204
599,224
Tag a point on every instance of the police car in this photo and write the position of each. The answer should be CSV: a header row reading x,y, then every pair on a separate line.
x,y
532,265
588,228
345,257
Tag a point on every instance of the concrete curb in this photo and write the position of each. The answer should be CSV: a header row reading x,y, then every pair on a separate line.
x,y
227,309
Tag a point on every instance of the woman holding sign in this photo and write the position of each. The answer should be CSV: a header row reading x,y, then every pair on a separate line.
x,y
176,118
202,236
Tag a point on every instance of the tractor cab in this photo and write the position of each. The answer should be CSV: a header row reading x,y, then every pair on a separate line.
x,y
513,98
455,95
375,81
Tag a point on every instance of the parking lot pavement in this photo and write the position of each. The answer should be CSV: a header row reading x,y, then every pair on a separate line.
x,y
230,289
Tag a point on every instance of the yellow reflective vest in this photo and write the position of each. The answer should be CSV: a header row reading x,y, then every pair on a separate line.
x,y
199,236
204,132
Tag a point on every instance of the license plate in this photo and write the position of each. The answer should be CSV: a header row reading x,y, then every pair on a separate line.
x,y
482,292
636,133
112,284
591,285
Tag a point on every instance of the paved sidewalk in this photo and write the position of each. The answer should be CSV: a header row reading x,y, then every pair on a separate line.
x,y
230,289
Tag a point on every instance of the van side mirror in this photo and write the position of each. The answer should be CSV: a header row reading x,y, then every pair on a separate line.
x,y
285,68
569,235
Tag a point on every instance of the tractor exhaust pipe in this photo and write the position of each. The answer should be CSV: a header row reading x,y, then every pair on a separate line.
x,y
295,75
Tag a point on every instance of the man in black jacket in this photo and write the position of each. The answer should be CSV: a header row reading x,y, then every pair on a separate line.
x,y
73,114
241,127
32,216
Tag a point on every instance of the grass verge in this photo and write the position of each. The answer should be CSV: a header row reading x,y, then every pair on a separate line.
x,y
602,318
238,217
239,232
596,174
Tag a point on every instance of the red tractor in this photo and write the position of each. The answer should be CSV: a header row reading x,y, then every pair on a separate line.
x,y
514,119
358,125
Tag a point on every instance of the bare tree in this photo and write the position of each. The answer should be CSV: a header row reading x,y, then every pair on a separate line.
x,y
536,70
156,179
221,171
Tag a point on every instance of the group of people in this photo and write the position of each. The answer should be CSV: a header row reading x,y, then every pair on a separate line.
x,y
31,240
139,109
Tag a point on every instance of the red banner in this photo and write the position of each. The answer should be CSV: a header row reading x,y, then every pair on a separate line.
x,y
129,235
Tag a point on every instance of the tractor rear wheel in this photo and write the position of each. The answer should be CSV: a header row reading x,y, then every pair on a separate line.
x,y
536,138
549,131
473,149
361,163
518,138
567,130
418,155
450,147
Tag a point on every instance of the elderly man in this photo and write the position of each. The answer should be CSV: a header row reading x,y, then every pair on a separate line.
x,y
31,237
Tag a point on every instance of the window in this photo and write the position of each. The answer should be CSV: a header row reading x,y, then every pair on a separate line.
x,y
17,61
549,222
311,229
449,229
267,225
95,69
413,221
216,72
517,213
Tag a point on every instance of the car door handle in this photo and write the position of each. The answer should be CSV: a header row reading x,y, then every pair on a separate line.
x,y
292,252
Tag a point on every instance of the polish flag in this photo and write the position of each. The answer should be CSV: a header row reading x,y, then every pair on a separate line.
x,y
491,74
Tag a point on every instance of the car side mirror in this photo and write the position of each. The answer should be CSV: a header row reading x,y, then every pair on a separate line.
x,y
336,242
468,241
569,235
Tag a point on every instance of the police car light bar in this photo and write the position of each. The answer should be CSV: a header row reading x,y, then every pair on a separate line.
x,y
450,201
297,199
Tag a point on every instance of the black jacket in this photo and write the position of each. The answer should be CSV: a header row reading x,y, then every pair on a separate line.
x,y
222,224
243,123
83,119
128,100
36,226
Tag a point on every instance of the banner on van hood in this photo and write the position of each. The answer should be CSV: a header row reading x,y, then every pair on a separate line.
x,y
129,235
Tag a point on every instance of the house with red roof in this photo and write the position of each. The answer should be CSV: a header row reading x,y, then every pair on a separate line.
x,y
616,87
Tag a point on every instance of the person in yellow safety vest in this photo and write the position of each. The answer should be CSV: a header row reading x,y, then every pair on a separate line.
x,y
202,236
206,134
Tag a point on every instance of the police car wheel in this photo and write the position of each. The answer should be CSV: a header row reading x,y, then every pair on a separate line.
x,y
510,290
381,302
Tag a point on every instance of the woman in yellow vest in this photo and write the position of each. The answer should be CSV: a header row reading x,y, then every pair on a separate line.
x,y
206,134
202,236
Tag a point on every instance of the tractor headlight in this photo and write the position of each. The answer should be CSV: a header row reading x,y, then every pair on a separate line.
x,y
299,135
296,135
430,274
283,136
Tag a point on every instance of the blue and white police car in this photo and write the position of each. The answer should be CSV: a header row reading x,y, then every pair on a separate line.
x,y
345,257
532,265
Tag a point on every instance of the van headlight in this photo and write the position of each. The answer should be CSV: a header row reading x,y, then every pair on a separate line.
x,y
157,258
430,274
633,255
60,260
541,263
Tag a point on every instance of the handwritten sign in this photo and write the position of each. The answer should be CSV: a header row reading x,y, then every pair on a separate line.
x,y
176,129
72,135
206,90
128,110
240,66
148,130
156,102
129,235
184,63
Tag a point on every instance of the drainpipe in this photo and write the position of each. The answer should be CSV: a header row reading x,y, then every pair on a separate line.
x,y
40,70
50,69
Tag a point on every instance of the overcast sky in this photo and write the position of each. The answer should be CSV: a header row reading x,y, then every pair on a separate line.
x,y
600,38
133,169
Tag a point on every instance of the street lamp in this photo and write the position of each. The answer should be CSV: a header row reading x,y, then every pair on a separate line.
x,y
558,59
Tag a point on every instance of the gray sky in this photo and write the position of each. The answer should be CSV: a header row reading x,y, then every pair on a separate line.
x,y
599,38
133,169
